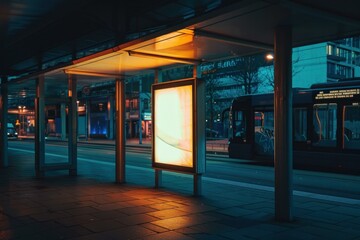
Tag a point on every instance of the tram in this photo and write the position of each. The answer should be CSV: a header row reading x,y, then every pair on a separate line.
x,y
326,126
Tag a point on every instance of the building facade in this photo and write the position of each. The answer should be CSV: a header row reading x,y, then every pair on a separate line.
x,y
326,62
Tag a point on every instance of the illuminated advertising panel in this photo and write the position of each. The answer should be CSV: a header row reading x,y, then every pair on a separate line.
x,y
174,126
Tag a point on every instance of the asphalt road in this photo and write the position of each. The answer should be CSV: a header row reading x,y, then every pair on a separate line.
x,y
218,168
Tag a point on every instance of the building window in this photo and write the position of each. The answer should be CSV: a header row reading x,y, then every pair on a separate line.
x,y
356,42
330,49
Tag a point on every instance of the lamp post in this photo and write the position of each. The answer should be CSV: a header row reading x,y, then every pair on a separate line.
x,y
22,119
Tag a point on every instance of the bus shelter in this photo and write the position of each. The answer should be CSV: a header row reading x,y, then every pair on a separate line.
x,y
240,28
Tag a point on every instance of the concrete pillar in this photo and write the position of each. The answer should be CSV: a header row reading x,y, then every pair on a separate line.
x,y
63,121
158,173
158,76
200,146
111,117
140,112
3,123
283,152
88,121
40,127
72,124
120,174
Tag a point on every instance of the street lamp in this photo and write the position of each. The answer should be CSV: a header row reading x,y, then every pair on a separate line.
x,y
269,56
22,119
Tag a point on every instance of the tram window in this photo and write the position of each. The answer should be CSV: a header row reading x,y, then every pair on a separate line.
x,y
240,125
324,120
300,124
351,130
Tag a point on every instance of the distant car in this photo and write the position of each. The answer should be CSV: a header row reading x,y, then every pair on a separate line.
x,y
11,132
211,133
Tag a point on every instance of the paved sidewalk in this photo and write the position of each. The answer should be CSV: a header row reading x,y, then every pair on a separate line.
x,y
92,206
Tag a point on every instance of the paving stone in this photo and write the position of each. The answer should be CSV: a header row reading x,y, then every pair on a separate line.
x,y
183,221
236,211
132,232
168,235
136,219
82,210
207,236
112,206
213,227
327,216
50,216
103,225
168,213
161,206
351,211
76,220
154,227
329,234
108,214
136,210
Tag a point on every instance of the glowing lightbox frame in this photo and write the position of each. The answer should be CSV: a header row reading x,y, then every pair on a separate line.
x,y
178,140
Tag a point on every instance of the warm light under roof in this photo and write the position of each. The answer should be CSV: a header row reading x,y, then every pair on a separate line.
x,y
174,39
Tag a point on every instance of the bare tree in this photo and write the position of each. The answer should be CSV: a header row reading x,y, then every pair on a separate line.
x,y
268,73
212,86
246,72
178,73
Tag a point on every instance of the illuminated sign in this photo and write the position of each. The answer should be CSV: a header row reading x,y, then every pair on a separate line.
x,y
174,126
336,94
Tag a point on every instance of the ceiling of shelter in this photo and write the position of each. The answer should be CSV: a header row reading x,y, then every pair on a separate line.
x,y
127,37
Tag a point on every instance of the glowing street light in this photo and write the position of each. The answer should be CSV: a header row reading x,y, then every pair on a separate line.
x,y
269,56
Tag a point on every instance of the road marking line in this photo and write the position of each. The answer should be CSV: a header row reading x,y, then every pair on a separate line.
x,y
216,180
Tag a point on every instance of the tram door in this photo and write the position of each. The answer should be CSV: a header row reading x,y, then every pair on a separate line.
x,y
351,126
325,125
240,145
264,132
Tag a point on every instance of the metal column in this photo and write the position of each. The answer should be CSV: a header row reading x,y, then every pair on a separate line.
x,y
88,114
200,146
140,110
73,122
40,128
158,172
283,153
120,131
63,121
3,121
111,117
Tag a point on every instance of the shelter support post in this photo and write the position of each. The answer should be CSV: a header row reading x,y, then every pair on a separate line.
x,y
120,131
283,123
3,121
140,112
63,121
200,130
158,172
40,128
197,184
111,117
158,178
73,122
87,125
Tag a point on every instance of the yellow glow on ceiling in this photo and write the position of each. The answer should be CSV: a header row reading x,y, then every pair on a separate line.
x,y
178,44
174,39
